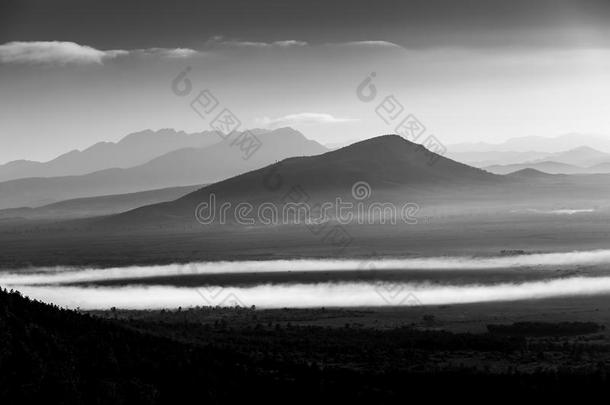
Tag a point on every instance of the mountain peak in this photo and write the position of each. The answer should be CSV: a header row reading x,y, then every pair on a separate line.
x,y
388,147
147,133
529,173
285,132
387,141
584,148
386,138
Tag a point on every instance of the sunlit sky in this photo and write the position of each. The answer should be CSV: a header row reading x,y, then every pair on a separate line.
x,y
75,73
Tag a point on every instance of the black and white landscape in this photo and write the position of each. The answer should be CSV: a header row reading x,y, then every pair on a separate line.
x,y
347,201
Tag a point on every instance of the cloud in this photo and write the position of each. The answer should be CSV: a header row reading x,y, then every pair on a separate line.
x,y
71,53
219,41
299,295
301,118
52,52
165,52
64,53
378,44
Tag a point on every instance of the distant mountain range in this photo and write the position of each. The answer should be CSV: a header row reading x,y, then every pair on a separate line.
x,y
536,143
490,158
391,165
186,166
549,167
134,149
579,150
581,160
583,156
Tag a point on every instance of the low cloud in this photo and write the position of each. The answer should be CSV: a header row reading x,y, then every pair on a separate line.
x,y
48,284
177,53
70,53
378,44
221,42
53,52
363,294
541,261
301,119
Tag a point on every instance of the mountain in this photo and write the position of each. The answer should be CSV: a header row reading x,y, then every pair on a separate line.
x,y
583,156
581,160
97,206
529,174
600,168
536,143
491,158
134,149
389,164
546,167
181,167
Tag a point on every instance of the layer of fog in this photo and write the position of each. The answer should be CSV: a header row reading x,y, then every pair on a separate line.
x,y
59,275
312,295
563,211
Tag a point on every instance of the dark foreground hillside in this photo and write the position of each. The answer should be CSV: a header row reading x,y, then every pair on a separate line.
x,y
51,355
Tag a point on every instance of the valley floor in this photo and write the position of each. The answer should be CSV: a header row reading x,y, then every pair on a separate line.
x,y
547,348
82,244
457,318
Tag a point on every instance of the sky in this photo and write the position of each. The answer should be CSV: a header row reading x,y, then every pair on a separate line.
x,y
73,73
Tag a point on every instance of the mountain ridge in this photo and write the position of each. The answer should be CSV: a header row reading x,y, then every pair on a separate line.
x,y
131,150
182,167
554,144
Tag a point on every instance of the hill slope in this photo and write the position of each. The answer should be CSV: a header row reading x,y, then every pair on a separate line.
x,y
53,355
389,164
58,356
97,206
